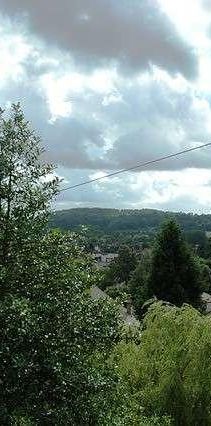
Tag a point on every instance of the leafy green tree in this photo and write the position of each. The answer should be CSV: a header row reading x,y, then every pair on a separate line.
x,y
138,285
26,190
175,273
121,268
125,264
54,338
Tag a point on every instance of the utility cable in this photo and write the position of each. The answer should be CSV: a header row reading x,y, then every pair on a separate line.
x,y
137,166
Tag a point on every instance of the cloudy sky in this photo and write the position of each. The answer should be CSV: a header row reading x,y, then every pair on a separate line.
x,y
109,83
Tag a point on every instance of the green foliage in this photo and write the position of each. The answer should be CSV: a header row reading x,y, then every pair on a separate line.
x,y
52,332
54,339
175,273
114,220
120,269
112,228
138,284
169,373
198,240
131,333
25,190
208,250
178,342
205,274
120,294
61,358
124,264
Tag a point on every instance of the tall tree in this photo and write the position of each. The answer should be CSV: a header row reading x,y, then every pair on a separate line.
x,y
175,273
26,189
54,338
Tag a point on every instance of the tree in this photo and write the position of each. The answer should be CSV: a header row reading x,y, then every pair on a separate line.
x,y
54,338
125,264
138,285
175,273
121,268
26,190
208,249
198,241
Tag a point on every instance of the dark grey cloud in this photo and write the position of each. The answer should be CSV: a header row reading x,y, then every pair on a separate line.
x,y
130,34
73,144
148,119
147,144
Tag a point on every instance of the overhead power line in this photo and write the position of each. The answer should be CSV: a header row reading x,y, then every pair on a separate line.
x,y
137,166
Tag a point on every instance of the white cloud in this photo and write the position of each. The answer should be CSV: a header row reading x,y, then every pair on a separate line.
x,y
14,54
188,190
190,19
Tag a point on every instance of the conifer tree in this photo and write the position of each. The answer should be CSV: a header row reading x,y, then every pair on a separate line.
x,y
175,273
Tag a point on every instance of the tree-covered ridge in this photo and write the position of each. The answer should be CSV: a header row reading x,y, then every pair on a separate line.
x,y
112,220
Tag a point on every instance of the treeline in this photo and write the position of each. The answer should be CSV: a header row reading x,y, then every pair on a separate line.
x,y
113,220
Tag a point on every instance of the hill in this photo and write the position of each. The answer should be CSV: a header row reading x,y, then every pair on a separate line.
x,y
114,220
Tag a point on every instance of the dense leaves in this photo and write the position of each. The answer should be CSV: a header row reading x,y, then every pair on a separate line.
x,y
26,189
138,285
54,337
169,373
120,269
113,220
175,273
52,333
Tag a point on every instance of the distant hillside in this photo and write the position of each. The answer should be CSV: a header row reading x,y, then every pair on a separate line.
x,y
113,220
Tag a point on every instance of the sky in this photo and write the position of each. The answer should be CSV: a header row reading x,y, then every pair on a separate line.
x,y
108,84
